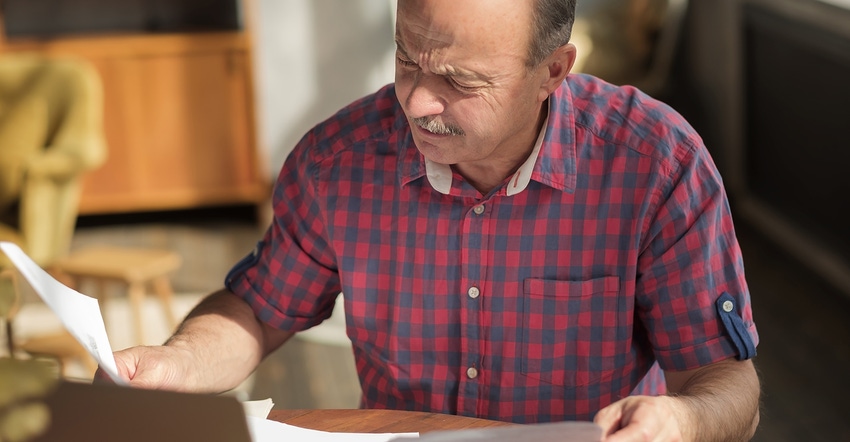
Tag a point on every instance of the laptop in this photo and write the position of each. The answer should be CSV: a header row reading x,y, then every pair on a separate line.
x,y
106,412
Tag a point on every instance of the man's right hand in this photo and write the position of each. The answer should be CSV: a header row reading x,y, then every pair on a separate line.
x,y
157,367
217,346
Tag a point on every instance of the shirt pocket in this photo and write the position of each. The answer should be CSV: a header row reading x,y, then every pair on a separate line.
x,y
571,330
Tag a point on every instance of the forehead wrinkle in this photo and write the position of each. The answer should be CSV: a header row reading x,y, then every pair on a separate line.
x,y
434,58
441,49
425,39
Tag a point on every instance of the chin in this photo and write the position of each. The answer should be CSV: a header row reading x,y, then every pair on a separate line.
x,y
431,151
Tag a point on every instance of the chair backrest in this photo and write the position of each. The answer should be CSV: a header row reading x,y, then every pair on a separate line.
x,y
45,183
72,90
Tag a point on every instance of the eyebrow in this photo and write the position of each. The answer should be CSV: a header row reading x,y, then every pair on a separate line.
x,y
448,69
400,47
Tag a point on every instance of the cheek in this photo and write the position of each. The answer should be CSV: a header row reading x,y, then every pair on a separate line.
x,y
480,115
402,88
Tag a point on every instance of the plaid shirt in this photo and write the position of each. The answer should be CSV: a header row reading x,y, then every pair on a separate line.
x,y
542,304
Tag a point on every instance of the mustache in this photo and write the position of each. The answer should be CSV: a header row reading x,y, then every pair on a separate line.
x,y
432,125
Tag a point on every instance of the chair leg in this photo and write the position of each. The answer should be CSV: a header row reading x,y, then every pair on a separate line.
x,y
136,293
162,288
102,296
9,304
10,338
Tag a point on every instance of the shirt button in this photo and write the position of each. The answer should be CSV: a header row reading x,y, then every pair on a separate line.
x,y
471,373
473,292
479,209
728,306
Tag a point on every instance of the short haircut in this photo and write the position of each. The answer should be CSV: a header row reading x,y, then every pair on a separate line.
x,y
552,24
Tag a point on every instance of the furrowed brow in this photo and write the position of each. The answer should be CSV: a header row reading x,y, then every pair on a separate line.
x,y
400,47
447,70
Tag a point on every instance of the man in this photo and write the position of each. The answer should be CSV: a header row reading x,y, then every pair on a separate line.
x,y
512,243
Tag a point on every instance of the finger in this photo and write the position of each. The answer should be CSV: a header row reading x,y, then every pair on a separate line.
x,y
125,363
643,419
609,418
146,380
149,373
631,432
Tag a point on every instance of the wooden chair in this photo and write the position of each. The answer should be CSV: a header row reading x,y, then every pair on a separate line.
x,y
136,268
51,136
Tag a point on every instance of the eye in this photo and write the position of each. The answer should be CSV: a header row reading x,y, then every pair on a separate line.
x,y
404,61
462,87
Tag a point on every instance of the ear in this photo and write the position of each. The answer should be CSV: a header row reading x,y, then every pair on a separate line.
x,y
556,67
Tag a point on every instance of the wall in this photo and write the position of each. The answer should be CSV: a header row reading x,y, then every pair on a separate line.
x,y
713,83
710,87
313,57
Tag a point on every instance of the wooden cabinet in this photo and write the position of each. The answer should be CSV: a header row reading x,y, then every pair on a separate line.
x,y
179,120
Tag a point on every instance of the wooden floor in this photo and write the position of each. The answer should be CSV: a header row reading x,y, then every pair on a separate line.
x,y
804,326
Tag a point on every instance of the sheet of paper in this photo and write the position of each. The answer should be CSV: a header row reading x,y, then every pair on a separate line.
x,y
545,432
258,408
80,314
841,3
264,430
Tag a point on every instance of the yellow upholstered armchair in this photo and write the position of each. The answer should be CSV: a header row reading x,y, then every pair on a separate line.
x,y
51,133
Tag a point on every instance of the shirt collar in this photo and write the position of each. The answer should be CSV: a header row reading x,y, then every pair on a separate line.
x,y
556,164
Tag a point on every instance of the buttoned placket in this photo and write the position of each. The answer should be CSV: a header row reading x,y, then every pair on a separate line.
x,y
475,242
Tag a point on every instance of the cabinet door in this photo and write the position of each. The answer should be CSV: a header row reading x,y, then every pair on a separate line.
x,y
180,133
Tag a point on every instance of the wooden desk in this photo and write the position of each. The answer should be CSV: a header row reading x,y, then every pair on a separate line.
x,y
379,421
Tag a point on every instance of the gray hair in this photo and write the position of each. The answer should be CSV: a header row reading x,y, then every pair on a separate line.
x,y
552,24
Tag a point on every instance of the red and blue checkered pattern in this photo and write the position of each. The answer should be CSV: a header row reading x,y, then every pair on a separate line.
x,y
561,297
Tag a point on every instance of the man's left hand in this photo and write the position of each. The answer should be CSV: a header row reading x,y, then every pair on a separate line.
x,y
641,418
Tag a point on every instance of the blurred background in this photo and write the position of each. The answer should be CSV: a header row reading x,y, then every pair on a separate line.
x,y
176,115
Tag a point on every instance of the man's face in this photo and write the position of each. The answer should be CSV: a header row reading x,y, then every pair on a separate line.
x,y
462,80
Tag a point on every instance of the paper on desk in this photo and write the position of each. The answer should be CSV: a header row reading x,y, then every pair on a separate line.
x,y
258,408
264,430
545,432
80,314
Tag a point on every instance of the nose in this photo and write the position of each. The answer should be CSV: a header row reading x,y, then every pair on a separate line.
x,y
425,98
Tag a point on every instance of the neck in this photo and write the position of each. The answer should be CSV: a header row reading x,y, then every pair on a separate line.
x,y
487,175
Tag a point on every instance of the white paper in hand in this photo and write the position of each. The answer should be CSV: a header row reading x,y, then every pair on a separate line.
x,y
80,314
